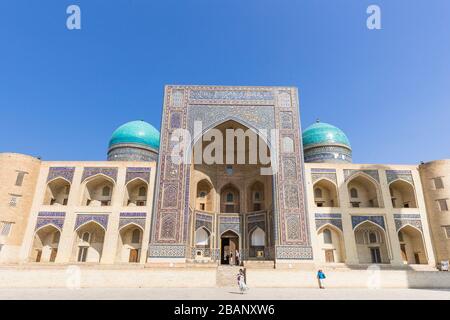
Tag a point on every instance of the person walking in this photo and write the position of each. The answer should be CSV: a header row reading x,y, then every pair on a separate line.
x,y
321,277
238,258
241,281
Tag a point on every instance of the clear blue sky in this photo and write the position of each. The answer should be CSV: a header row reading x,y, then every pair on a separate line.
x,y
62,93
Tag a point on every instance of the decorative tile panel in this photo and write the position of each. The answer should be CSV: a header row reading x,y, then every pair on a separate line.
x,y
61,172
291,196
168,223
178,98
323,170
234,95
133,173
284,99
393,175
294,253
167,251
335,222
379,220
402,220
229,223
92,171
101,219
50,218
319,176
175,120
137,218
290,168
286,120
349,173
203,220
170,196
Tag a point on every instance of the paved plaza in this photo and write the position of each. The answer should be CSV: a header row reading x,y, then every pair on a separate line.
x,y
224,294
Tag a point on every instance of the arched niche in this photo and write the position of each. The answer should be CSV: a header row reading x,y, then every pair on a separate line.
x,y
204,196
98,191
136,193
331,244
256,197
45,244
89,240
402,194
371,243
57,192
412,245
325,194
230,199
364,192
129,248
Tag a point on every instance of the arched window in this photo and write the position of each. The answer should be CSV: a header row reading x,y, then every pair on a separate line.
x,y
373,237
203,194
106,191
257,196
353,193
327,238
142,192
230,197
318,193
136,236
86,237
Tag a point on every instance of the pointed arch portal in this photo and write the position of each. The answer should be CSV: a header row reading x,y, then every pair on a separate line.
x,y
281,200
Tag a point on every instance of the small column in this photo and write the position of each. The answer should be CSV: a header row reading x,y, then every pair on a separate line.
x,y
391,232
68,234
148,218
112,232
351,253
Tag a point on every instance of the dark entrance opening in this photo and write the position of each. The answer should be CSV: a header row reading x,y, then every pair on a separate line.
x,y
229,243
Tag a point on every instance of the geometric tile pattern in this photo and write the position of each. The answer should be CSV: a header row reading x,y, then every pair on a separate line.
x,y
61,172
50,218
331,218
137,218
142,173
402,220
348,173
203,220
92,171
393,175
101,219
294,253
379,220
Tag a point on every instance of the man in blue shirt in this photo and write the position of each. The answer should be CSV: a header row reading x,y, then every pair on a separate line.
x,y
321,277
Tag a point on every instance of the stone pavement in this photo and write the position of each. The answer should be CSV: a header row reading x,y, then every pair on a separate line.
x,y
224,294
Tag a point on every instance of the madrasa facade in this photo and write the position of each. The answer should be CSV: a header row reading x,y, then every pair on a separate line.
x,y
145,206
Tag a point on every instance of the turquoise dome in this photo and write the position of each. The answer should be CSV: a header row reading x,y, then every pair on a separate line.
x,y
321,133
136,132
